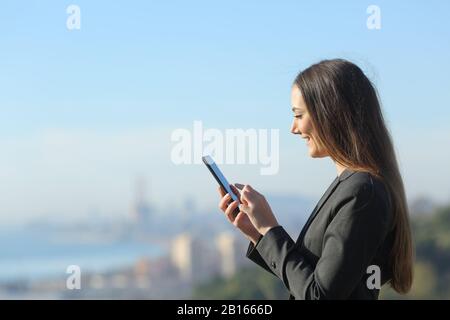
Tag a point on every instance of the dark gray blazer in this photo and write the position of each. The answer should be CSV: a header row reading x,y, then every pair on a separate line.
x,y
348,230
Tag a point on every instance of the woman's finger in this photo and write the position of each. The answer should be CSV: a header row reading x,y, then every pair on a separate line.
x,y
238,219
239,185
235,191
246,192
246,195
222,192
244,208
252,191
223,203
229,211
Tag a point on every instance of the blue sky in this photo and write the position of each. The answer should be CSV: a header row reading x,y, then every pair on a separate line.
x,y
77,101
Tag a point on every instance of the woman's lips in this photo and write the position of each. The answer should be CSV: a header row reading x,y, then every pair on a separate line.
x,y
307,140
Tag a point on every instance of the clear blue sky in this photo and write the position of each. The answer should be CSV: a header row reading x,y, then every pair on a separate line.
x,y
143,65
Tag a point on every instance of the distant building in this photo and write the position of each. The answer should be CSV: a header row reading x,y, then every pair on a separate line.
x,y
141,212
188,211
231,252
192,258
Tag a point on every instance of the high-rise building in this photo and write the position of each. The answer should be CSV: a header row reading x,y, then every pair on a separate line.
x,y
141,211
231,251
192,258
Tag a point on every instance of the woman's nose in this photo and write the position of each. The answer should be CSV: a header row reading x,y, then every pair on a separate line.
x,y
294,128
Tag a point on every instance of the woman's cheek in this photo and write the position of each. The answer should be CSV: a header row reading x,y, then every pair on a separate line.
x,y
314,149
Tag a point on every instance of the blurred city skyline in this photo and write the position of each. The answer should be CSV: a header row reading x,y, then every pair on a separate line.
x,y
85,112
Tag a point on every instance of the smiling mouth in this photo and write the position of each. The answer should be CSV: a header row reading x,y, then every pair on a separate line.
x,y
308,139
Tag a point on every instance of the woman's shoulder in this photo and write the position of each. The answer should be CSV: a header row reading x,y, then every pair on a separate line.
x,y
364,188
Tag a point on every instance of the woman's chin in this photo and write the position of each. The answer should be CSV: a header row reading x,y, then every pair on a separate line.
x,y
314,154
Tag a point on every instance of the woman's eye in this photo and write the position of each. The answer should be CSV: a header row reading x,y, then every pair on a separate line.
x,y
298,116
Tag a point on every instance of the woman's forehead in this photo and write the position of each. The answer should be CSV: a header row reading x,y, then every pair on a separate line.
x,y
297,99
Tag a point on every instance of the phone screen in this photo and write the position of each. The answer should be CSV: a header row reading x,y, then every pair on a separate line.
x,y
218,175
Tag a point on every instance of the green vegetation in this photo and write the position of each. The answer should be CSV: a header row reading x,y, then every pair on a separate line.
x,y
248,283
431,233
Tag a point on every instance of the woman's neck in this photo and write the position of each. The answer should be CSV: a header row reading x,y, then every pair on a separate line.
x,y
340,168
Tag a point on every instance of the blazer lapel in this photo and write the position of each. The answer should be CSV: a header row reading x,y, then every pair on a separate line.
x,y
322,200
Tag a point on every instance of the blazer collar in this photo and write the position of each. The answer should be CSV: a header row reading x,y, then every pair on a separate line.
x,y
345,174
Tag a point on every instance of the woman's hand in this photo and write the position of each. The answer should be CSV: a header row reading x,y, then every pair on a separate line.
x,y
241,221
257,209
255,216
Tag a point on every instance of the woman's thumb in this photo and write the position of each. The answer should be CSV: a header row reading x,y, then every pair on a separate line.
x,y
240,186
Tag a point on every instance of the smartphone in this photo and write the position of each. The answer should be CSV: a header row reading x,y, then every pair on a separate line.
x,y
221,180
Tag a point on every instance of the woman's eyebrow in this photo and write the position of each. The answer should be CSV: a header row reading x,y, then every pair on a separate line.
x,y
296,108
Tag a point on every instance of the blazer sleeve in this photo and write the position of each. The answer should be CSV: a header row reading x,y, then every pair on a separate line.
x,y
350,242
254,255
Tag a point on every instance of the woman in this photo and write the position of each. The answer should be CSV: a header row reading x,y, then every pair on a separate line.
x,y
359,229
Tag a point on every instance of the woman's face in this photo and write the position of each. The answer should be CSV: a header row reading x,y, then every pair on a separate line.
x,y
302,125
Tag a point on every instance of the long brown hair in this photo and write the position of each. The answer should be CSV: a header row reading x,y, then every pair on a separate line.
x,y
346,114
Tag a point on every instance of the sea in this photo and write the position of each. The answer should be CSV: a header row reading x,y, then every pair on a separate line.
x,y
28,255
